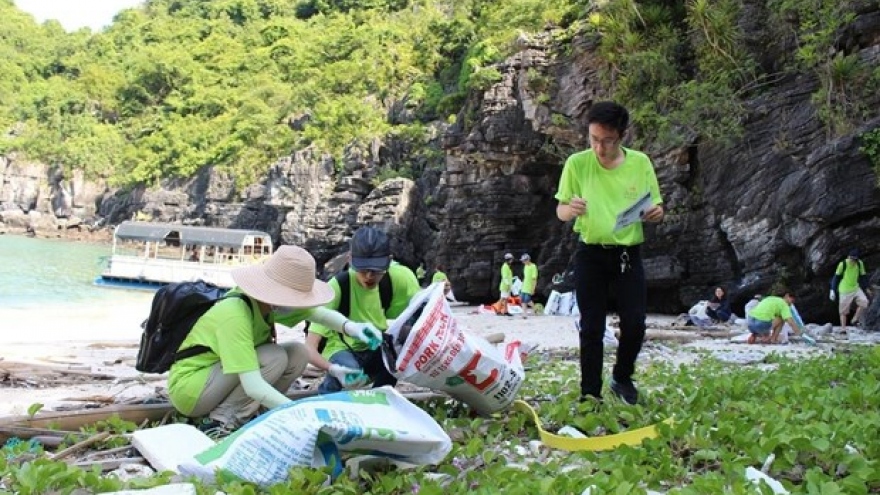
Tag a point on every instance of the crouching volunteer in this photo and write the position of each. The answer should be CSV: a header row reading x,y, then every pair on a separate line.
x,y
369,292
238,366
765,320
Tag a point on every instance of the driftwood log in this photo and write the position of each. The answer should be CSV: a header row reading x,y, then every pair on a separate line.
x,y
71,421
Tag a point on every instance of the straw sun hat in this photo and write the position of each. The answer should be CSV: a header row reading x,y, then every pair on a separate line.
x,y
287,279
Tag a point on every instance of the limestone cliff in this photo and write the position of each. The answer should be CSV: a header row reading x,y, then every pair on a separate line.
x,y
781,204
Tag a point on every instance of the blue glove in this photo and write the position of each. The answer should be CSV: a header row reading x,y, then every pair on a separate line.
x,y
348,377
365,332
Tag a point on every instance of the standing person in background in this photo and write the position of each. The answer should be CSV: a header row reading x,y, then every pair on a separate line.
x,y
851,282
530,282
596,186
506,283
440,276
420,273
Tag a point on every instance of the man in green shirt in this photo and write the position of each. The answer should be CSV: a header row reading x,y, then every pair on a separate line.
x,y
506,284
851,282
765,320
440,276
596,187
341,356
530,282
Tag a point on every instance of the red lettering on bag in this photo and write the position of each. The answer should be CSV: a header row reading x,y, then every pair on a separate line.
x,y
423,333
468,374
430,351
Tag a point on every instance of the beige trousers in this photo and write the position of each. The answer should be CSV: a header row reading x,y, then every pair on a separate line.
x,y
224,399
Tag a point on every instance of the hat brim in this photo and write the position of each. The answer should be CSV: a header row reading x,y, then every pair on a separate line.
x,y
378,264
255,282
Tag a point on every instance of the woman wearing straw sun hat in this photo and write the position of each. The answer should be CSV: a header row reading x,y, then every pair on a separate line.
x,y
244,368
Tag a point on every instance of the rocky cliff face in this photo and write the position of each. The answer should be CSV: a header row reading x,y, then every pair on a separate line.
x,y
780,205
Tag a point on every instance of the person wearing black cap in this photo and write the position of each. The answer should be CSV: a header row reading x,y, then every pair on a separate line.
x,y
850,281
369,270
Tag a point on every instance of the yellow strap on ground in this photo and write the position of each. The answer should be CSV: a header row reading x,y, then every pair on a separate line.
x,y
607,442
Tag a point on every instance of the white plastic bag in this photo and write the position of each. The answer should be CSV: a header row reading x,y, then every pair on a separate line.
x,y
565,302
516,287
312,431
786,328
609,339
430,349
552,306
698,315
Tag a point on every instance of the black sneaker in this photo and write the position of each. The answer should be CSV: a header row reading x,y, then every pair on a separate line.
x,y
626,390
215,430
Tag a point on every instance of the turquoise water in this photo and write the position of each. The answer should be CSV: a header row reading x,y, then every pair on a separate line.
x,y
39,272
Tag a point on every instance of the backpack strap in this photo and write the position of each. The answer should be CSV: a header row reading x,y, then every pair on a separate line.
x,y
386,292
201,349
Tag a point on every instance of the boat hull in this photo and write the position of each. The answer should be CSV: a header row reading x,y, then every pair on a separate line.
x,y
132,271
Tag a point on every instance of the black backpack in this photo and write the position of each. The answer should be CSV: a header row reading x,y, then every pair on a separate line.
x,y
176,309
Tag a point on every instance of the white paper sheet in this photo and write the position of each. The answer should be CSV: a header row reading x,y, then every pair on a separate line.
x,y
634,213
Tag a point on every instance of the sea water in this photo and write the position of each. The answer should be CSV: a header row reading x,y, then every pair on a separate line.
x,y
37,272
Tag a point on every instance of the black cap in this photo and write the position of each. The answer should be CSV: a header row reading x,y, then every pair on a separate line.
x,y
854,253
370,249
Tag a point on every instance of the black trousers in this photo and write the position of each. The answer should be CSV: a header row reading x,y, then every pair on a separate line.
x,y
598,273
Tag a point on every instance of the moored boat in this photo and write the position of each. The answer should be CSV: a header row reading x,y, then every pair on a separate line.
x,y
149,254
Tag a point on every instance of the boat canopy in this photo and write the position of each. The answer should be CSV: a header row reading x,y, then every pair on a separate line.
x,y
189,235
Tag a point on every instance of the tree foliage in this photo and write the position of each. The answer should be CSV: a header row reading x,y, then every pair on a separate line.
x,y
179,84
176,85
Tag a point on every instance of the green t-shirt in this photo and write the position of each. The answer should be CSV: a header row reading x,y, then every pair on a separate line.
x,y
506,278
771,307
439,277
232,332
530,278
365,305
608,193
849,272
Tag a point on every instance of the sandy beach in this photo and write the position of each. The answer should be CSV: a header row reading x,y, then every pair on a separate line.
x,y
101,340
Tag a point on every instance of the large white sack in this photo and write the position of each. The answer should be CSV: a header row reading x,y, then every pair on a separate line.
x,y
552,306
430,349
566,301
312,432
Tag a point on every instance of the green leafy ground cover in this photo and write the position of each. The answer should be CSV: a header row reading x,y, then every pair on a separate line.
x,y
819,417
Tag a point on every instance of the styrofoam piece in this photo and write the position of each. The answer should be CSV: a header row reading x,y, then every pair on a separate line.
x,y
569,431
172,489
166,447
757,477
